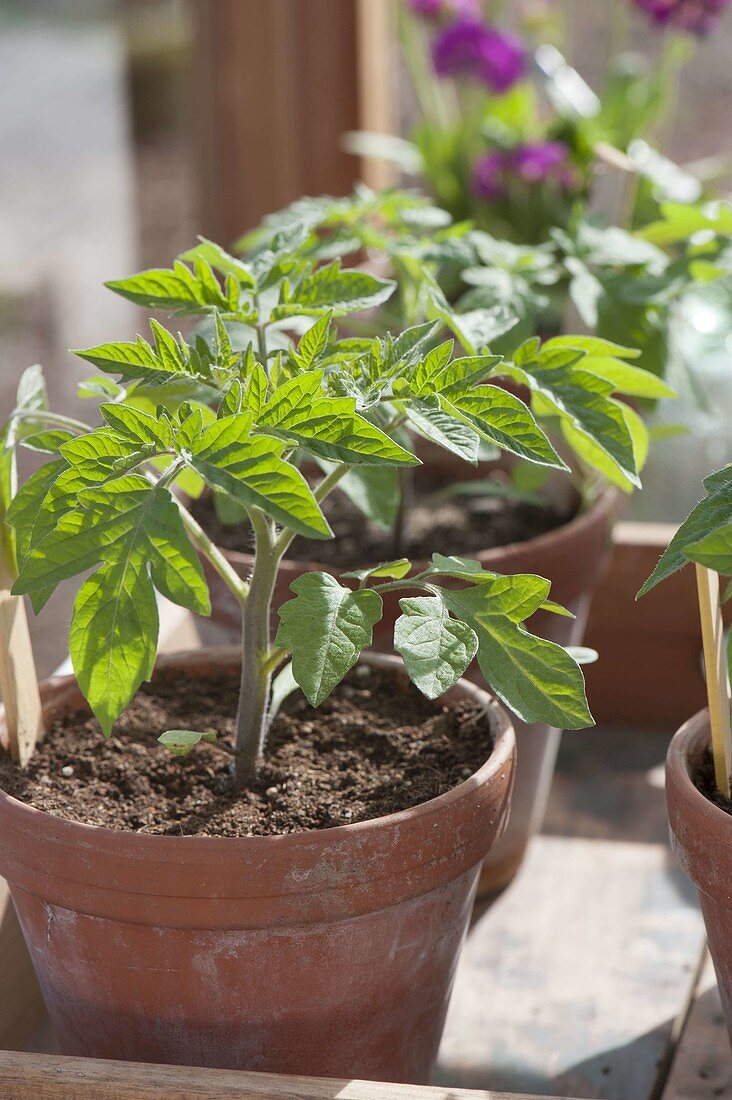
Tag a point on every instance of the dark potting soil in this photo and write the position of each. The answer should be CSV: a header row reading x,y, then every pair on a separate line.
x,y
375,747
459,525
704,781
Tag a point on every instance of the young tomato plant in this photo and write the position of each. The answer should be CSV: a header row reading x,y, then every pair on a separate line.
x,y
237,407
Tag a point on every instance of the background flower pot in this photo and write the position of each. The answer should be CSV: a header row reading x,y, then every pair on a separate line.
x,y
572,558
328,953
701,836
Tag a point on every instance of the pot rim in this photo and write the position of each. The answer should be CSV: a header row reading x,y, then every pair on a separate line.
x,y
500,757
603,505
684,751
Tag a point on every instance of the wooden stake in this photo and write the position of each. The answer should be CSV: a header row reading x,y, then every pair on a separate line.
x,y
715,664
18,681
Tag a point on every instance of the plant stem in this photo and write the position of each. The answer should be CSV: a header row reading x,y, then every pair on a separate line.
x,y
406,495
256,675
51,418
211,552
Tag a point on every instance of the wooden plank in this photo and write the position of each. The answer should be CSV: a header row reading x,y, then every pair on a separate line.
x,y
572,982
651,646
48,1077
21,1005
375,45
575,979
702,1069
18,682
277,85
717,676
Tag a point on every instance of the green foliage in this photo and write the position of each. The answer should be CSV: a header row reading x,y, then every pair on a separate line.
x,y
703,536
265,390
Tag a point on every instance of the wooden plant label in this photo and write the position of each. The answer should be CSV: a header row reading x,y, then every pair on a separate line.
x,y
715,664
18,681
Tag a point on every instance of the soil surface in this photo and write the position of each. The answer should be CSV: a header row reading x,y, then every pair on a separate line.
x,y
704,781
375,747
456,525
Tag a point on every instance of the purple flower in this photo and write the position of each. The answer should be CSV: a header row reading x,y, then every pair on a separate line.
x,y
488,177
533,163
695,16
471,48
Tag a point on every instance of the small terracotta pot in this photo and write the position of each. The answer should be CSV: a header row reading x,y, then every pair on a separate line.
x,y
329,953
701,836
572,557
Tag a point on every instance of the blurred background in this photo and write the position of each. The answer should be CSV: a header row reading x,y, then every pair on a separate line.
x,y
129,126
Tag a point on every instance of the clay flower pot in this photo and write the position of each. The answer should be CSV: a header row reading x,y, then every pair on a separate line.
x,y
572,558
329,952
701,836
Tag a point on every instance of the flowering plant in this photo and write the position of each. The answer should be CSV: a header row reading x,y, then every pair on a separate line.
x,y
508,130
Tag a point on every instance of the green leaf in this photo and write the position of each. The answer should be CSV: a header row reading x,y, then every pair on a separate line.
x,y
48,442
138,426
331,289
504,420
438,374
329,427
592,345
181,742
314,342
113,637
251,470
627,379
714,550
173,289
27,502
536,678
435,648
138,361
221,260
326,627
709,515
428,419
583,401
394,569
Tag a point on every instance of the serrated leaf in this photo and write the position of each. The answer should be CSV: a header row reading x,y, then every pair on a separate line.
x,y
47,442
138,361
335,290
27,502
428,419
592,345
504,420
329,427
536,678
251,470
584,403
314,342
394,569
709,515
113,637
137,425
714,550
326,627
435,648
630,380
176,288
438,374
221,260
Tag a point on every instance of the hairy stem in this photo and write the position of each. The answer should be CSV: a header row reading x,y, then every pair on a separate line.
x,y
256,675
406,499
51,418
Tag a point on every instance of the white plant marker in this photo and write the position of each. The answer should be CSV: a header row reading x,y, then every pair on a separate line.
x,y
18,680
715,665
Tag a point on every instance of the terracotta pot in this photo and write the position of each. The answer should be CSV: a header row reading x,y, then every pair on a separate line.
x,y
329,953
701,836
572,558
